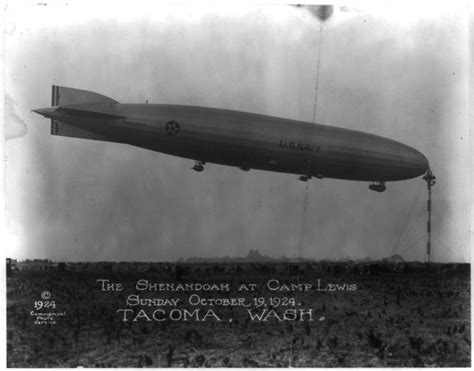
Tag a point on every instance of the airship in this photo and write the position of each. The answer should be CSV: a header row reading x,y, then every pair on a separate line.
x,y
233,138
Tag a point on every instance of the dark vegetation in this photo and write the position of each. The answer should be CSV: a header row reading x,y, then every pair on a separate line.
x,y
413,315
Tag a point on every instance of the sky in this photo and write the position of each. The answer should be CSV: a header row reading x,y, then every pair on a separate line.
x,y
396,72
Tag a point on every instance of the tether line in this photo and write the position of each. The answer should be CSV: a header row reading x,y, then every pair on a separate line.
x,y
317,71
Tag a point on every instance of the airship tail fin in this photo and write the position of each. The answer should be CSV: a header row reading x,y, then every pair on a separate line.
x,y
65,130
63,96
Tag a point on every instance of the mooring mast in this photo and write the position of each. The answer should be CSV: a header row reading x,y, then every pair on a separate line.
x,y
430,182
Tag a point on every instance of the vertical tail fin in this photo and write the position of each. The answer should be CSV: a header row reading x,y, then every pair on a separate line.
x,y
63,96
54,102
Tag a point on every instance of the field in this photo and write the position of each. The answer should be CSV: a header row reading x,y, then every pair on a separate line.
x,y
408,315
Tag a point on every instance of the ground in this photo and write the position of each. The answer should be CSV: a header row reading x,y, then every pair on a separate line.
x,y
403,315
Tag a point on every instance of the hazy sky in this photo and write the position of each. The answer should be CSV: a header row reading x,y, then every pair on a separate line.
x,y
388,71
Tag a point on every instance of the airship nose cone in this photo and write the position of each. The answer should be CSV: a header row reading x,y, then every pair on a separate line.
x,y
424,163
419,162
